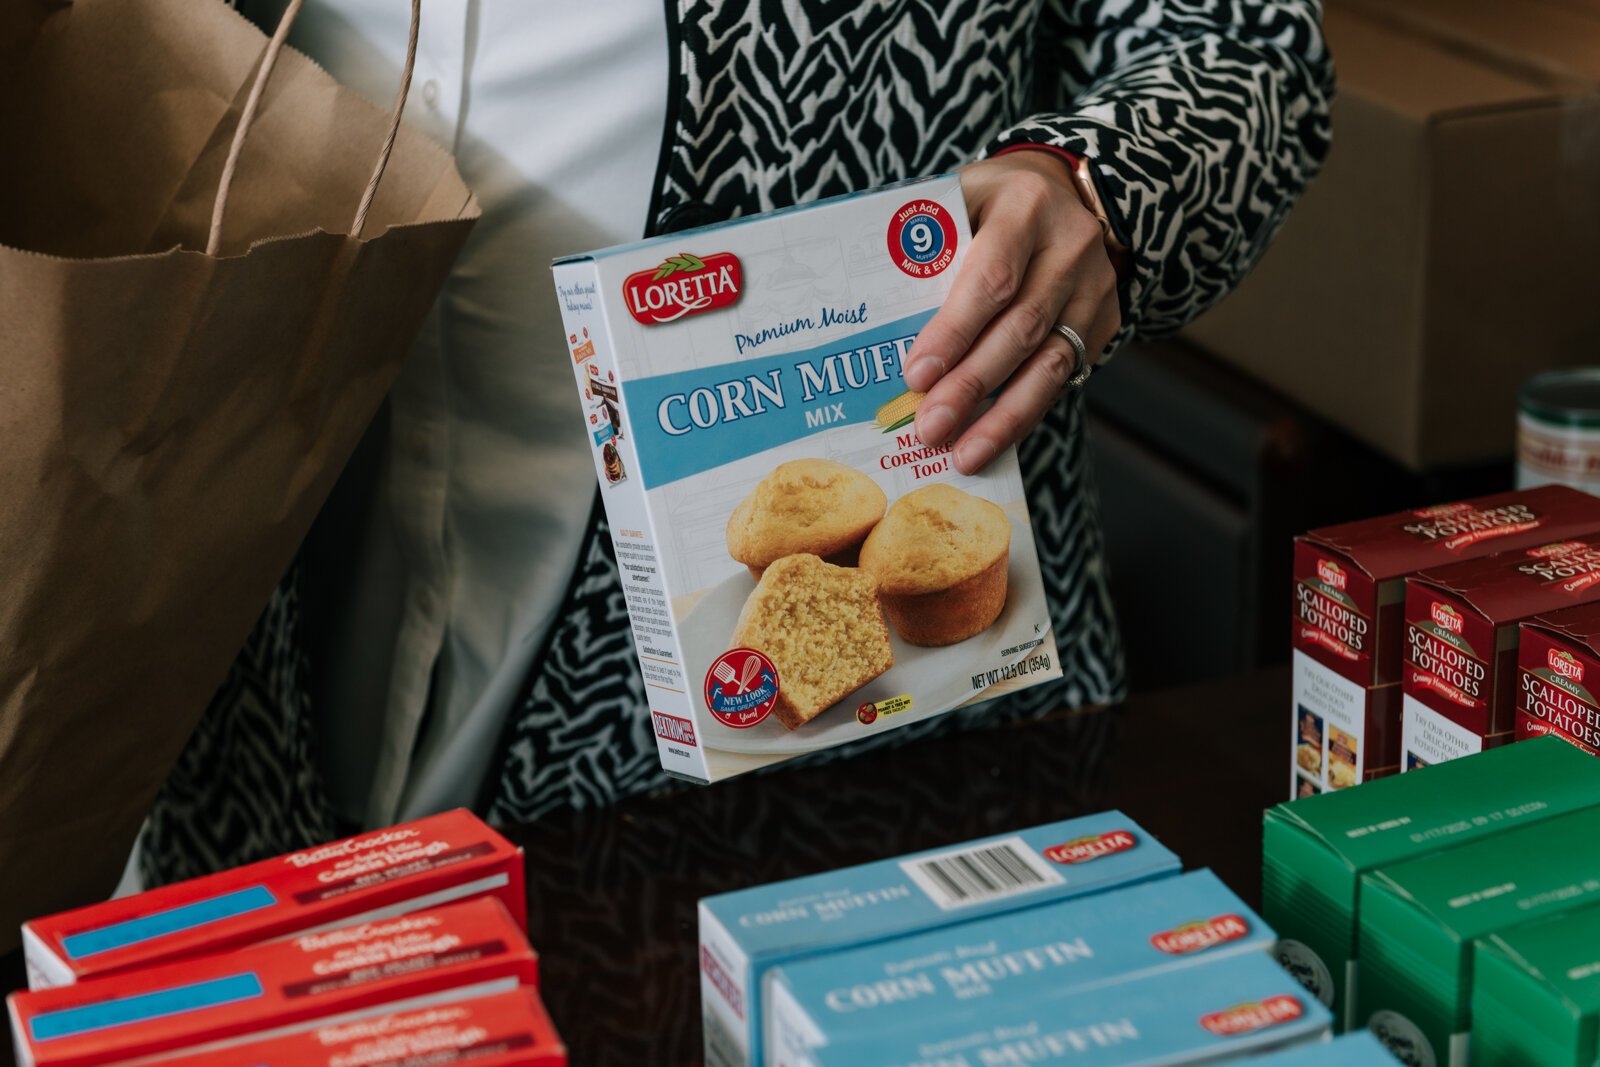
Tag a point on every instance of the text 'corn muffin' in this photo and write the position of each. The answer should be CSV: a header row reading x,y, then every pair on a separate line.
x,y
940,557
821,626
805,505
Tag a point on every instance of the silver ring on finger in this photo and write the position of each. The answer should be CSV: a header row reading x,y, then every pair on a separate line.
x,y
1082,368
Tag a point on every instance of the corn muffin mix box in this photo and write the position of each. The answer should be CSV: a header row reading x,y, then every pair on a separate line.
x,y
1047,952
1316,849
1347,626
372,876
1558,661
1360,1049
745,933
1536,993
1459,685
1420,919
468,949
800,570
1228,1009
498,1030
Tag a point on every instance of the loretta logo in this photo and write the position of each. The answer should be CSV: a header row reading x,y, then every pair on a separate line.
x,y
1446,617
1565,664
683,285
1199,936
1560,548
1084,849
1257,1015
1331,574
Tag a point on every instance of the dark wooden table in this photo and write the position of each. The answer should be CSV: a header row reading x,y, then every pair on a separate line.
x,y
612,892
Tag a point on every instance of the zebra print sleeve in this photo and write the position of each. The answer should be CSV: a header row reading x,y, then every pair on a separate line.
x,y
1202,121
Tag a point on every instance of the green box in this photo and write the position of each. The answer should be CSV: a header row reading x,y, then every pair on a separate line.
x,y
1316,849
1536,993
1419,920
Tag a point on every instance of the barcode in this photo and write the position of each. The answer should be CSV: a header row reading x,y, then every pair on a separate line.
x,y
967,876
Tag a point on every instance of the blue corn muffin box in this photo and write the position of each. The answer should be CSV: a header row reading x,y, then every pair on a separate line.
x,y
1359,1048
1045,953
1230,1008
744,934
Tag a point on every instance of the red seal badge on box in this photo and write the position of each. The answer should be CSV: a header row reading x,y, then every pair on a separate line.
x,y
922,238
741,688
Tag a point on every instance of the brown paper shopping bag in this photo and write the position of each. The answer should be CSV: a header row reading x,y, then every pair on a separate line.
x,y
171,420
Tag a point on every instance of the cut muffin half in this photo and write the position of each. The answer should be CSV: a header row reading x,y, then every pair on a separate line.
x,y
821,625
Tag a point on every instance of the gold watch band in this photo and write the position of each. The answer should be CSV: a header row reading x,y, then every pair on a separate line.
x,y
1083,179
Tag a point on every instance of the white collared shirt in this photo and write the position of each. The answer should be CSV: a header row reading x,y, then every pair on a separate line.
x,y
554,112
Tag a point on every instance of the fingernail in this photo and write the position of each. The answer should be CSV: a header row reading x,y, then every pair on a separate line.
x,y
935,424
973,454
921,375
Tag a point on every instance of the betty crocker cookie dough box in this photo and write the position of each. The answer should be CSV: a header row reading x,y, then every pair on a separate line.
x,y
498,1030
1348,630
1459,685
744,934
1558,666
800,570
469,949
421,864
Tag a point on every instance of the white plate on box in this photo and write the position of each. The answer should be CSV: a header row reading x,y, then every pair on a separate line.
x,y
936,679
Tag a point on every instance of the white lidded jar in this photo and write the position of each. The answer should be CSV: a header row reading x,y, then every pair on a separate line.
x,y
1558,429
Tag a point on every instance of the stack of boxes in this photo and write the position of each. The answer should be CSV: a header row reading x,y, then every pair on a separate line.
x,y
1454,912
1076,942
1352,616
402,945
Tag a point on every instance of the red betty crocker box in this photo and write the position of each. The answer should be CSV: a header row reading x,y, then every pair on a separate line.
x,y
408,962
1558,666
372,876
1459,684
1348,618
501,1030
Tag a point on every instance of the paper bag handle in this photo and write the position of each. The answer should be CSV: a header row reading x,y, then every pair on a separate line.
x,y
268,59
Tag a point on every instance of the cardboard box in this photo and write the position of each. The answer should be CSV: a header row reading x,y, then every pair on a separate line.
x,y
1317,849
1558,660
368,877
500,1030
1360,1049
1244,1004
1458,692
1419,921
746,933
1347,627
1042,954
1394,303
1536,993
419,960
753,440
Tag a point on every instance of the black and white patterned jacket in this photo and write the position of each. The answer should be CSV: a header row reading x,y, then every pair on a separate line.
x,y
1203,119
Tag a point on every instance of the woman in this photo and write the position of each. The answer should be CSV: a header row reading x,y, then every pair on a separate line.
x,y
466,632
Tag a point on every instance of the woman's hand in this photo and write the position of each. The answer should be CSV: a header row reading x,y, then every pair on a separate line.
x,y
1037,258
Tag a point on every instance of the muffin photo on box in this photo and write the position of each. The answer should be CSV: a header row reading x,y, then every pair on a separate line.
x,y
940,557
806,505
822,628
